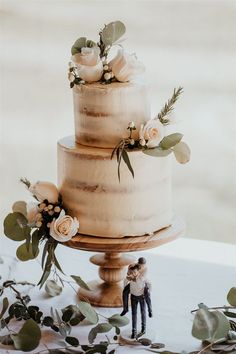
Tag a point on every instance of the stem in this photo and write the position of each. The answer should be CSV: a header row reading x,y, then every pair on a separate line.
x,y
18,296
217,308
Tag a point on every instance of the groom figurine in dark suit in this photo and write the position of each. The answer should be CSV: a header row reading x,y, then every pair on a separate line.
x,y
139,288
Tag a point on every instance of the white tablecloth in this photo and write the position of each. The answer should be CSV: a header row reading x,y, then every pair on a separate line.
x,y
183,273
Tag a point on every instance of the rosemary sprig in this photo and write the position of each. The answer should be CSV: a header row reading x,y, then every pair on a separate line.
x,y
168,107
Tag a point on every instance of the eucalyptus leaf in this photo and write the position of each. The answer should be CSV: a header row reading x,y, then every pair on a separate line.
x,y
231,296
15,227
210,325
35,242
182,152
118,321
170,140
100,328
230,314
81,43
112,32
80,282
24,254
28,337
5,304
72,341
157,152
87,310
52,288
20,207
126,159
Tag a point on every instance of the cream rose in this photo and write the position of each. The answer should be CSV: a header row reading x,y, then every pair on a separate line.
x,y
89,64
45,190
64,227
126,66
151,133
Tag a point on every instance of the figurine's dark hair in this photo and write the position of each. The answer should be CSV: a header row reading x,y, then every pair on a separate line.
x,y
142,260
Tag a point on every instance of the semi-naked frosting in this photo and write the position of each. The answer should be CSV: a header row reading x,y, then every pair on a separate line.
x,y
91,190
102,112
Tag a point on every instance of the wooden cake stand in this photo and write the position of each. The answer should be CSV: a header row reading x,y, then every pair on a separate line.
x,y
112,263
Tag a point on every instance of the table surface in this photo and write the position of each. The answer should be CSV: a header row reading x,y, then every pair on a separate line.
x,y
183,273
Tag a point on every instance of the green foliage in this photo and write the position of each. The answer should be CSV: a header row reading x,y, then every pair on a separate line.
x,y
182,152
81,43
157,152
80,282
88,312
169,106
20,207
5,304
52,288
28,337
170,140
25,254
112,32
100,328
118,321
15,227
72,341
231,296
210,325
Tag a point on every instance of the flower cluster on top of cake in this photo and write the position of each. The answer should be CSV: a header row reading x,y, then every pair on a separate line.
x,y
91,61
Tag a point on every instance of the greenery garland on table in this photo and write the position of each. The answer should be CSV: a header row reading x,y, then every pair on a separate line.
x,y
214,326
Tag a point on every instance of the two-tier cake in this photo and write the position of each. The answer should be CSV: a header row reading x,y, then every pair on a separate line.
x,y
115,174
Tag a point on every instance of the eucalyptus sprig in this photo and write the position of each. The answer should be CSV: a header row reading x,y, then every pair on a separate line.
x,y
169,106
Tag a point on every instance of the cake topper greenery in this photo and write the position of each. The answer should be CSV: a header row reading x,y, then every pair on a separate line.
x,y
152,139
43,222
91,62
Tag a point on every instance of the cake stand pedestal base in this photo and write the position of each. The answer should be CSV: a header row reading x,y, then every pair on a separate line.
x,y
113,262
112,270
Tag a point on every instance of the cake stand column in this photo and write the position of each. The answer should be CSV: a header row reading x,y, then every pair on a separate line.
x,y
112,271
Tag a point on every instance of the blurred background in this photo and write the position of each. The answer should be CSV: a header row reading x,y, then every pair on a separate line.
x,y
182,43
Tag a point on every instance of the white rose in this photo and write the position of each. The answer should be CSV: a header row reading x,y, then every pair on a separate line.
x,y
126,66
152,132
45,190
89,64
33,214
64,227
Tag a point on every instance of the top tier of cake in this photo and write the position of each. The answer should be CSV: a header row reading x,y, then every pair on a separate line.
x,y
102,112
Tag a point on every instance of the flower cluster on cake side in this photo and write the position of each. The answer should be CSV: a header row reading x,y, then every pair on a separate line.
x,y
44,221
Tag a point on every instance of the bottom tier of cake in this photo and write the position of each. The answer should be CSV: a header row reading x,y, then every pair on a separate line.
x,y
89,185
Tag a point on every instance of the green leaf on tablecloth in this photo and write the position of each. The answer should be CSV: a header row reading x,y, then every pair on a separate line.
x,y
170,140
112,32
182,152
118,321
24,254
28,337
52,288
5,304
157,152
87,310
72,341
15,227
145,341
80,282
20,207
210,325
231,296
100,328
230,314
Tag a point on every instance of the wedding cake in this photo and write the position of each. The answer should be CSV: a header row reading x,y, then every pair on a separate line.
x,y
114,175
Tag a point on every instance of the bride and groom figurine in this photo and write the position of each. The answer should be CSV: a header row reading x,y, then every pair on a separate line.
x,y
138,287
